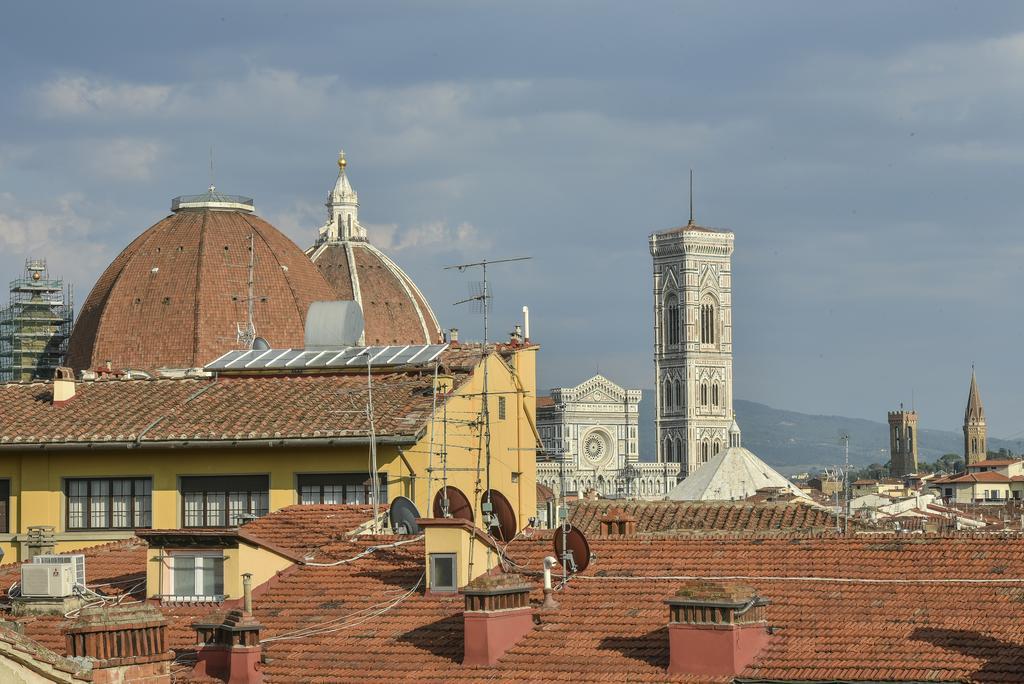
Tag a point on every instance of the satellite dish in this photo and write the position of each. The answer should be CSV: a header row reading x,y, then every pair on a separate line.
x,y
502,513
458,504
572,549
260,344
403,516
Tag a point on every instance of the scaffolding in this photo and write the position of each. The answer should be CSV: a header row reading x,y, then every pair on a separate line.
x,y
35,326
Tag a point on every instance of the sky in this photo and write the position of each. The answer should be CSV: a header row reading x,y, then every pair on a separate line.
x,y
866,155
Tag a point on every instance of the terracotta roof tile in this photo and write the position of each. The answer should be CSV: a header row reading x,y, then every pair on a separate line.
x,y
668,516
226,408
875,607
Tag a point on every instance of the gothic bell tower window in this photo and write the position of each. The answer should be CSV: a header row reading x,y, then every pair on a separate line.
x,y
708,323
672,319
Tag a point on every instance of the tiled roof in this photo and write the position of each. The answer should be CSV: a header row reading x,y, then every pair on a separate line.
x,y
993,462
668,516
236,408
174,296
877,607
987,476
545,402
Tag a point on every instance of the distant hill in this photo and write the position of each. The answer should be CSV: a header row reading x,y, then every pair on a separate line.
x,y
793,442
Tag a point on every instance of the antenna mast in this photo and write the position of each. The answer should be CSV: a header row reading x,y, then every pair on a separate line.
x,y
484,299
247,335
846,483
691,197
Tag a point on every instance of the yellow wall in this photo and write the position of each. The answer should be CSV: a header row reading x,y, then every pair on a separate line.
x,y
37,475
262,563
473,556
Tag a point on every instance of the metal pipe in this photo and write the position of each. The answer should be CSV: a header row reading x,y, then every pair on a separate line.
x,y
247,592
549,600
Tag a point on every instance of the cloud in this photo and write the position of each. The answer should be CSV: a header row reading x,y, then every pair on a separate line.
x,y
62,234
79,95
434,236
123,159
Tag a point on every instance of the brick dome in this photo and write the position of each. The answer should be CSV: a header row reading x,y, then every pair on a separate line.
x,y
175,296
394,309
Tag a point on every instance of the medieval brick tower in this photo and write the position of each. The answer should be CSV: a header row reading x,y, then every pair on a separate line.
x,y
903,442
975,429
692,343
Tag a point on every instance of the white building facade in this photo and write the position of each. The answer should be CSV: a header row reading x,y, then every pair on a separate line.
x,y
692,343
591,439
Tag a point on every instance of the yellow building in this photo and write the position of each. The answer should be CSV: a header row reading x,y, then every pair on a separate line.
x,y
97,459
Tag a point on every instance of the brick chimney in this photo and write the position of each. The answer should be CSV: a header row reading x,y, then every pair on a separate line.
x,y
228,645
498,614
63,386
715,629
617,523
125,644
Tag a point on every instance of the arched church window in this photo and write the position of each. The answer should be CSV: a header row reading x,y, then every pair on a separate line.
x,y
672,319
679,450
716,448
910,439
708,324
668,393
679,394
714,395
703,394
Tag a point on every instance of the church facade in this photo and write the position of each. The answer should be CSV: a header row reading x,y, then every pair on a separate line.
x,y
591,442
692,343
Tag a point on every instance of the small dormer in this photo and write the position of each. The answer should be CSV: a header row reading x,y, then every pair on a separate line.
x,y
456,553
208,565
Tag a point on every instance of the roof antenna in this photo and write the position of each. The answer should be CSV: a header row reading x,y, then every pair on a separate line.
x,y
214,187
691,197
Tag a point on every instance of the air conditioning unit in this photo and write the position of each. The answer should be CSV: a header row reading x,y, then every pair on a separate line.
x,y
47,581
75,560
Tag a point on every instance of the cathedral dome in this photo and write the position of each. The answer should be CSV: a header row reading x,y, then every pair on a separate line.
x,y
179,295
394,309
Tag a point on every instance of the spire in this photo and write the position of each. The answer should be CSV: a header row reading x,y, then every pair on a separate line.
x,y
342,209
975,412
734,432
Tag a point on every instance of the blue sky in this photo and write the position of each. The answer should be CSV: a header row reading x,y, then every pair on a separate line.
x,y
867,156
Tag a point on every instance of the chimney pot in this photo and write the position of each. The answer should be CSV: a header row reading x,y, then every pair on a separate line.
x,y
715,629
453,335
63,386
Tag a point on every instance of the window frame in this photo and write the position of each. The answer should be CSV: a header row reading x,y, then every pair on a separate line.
x,y
136,503
227,486
502,408
215,556
345,480
446,589
5,506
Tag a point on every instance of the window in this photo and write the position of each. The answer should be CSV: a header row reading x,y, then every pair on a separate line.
x,y
707,324
501,408
672,319
668,394
703,394
949,492
5,498
442,572
339,488
122,503
223,501
679,393
714,395
197,577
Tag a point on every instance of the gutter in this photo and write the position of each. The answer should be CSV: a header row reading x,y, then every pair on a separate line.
x,y
401,440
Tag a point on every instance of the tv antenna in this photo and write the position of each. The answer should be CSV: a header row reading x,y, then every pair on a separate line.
x,y
246,332
481,297
845,438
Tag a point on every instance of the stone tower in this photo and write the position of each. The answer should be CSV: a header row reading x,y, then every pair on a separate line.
x,y
692,343
975,430
903,442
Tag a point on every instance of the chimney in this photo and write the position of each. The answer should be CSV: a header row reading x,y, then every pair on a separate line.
x,y
228,646
40,541
516,336
63,386
453,336
498,614
124,643
715,629
617,523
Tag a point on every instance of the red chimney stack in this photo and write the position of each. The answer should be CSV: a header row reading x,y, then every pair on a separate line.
x,y
715,629
498,615
125,643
